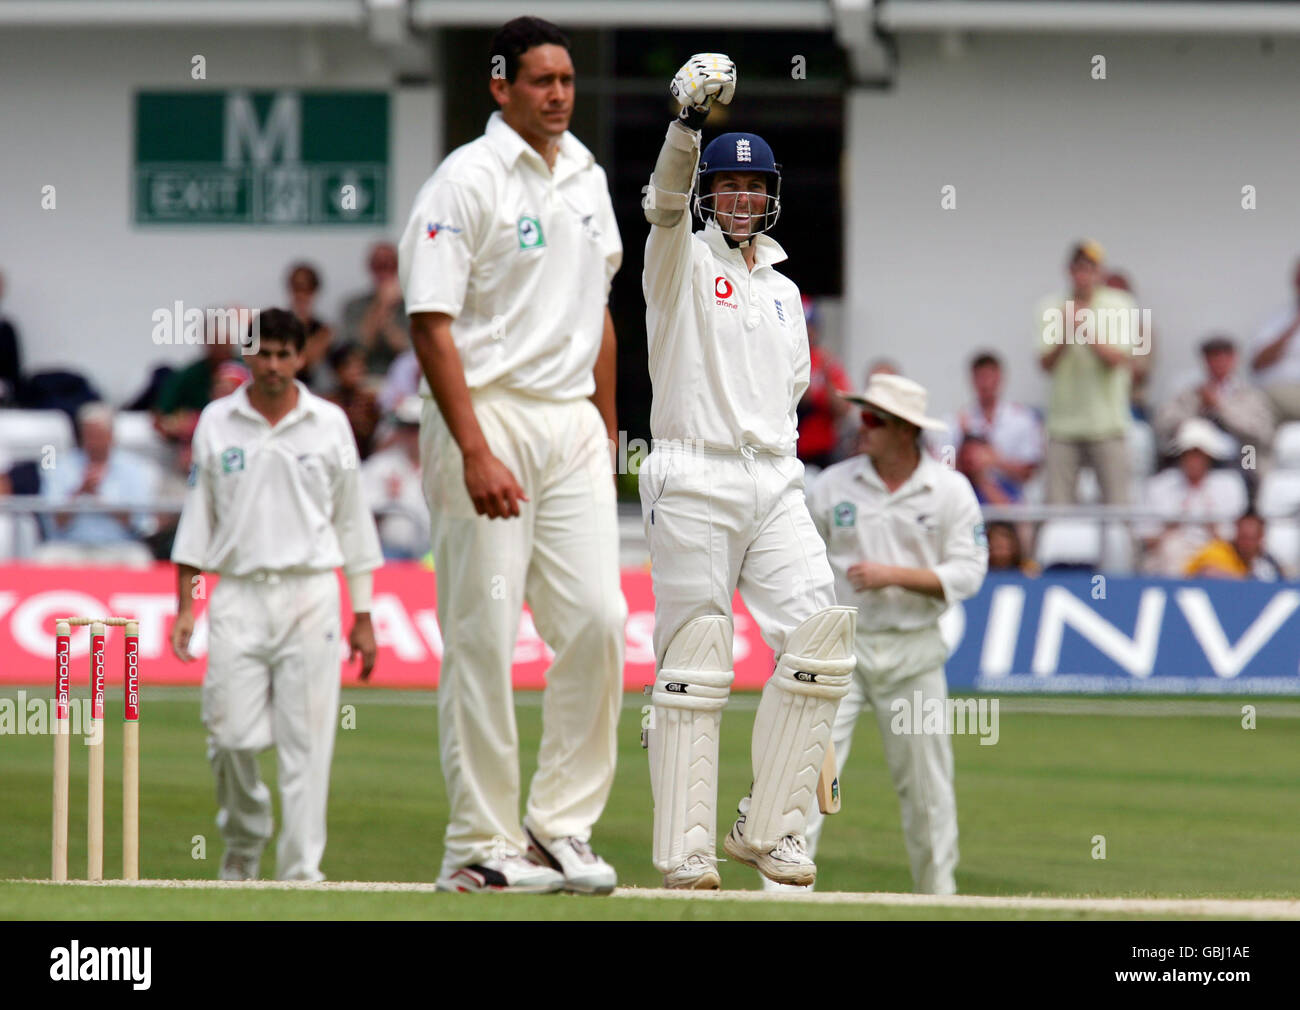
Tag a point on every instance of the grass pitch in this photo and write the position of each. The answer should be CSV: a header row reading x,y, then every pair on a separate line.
x,y
1190,804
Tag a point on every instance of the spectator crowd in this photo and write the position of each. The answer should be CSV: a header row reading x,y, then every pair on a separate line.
x,y
1205,483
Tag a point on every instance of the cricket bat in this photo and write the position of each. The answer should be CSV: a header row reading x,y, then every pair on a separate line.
x,y
828,784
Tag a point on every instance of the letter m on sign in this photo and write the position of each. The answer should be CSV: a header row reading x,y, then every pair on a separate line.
x,y
262,130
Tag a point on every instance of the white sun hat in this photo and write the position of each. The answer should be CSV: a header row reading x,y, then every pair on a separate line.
x,y
1198,433
901,397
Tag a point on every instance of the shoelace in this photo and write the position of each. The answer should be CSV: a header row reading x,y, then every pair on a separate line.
x,y
789,847
503,851
581,848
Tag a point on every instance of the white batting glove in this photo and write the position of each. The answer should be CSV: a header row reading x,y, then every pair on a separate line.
x,y
702,79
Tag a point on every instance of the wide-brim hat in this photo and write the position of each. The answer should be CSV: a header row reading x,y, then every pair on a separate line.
x,y
1198,433
901,397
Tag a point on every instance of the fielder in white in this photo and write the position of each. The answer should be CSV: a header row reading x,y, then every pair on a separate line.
x,y
275,506
506,266
722,496
906,538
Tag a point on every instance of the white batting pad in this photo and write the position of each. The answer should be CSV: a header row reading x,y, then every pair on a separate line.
x,y
793,724
689,693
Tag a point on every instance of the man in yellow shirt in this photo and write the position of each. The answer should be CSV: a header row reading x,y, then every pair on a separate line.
x,y
1087,340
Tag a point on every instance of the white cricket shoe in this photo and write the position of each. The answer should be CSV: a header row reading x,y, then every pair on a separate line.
x,y
584,872
239,866
772,886
698,873
787,863
505,870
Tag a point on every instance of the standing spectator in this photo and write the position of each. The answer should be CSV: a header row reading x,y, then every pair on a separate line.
x,y
1275,356
392,477
350,392
1086,343
377,319
304,286
10,357
1193,492
100,472
1142,363
1226,401
820,410
1012,431
1242,557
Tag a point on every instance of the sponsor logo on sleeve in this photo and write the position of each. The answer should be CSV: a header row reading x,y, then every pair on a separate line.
x,y
435,228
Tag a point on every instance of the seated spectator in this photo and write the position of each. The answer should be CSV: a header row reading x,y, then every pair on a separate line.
x,y
97,471
377,319
1005,552
304,285
402,380
975,462
1196,493
820,410
1234,407
392,477
350,392
188,391
1242,557
230,376
1012,430
10,357
1275,356
1085,344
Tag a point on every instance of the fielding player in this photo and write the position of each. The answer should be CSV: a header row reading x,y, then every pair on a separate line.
x,y
275,506
906,539
722,496
506,265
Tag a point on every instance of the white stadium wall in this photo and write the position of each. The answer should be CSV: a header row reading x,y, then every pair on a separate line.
x,y
82,280
1151,162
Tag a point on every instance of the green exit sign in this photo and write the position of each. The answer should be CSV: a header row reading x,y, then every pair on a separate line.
x,y
261,157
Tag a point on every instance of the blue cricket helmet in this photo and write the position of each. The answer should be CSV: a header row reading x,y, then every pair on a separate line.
x,y
738,152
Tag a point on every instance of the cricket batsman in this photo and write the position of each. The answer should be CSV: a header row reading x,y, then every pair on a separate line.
x,y
723,503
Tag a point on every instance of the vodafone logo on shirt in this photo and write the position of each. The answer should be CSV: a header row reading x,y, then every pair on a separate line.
x,y
723,289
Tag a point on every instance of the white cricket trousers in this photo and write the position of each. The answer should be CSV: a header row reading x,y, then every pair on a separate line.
x,y
561,556
273,678
893,666
717,522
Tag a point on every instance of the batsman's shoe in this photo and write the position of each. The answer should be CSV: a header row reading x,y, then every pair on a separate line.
x,y
787,863
505,870
698,873
239,866
584,872
772,886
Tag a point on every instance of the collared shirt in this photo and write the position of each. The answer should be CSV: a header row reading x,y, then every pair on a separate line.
x,y
283,499
1089,399
729,356
932,521
520,256
127,478
1287,367
1221,495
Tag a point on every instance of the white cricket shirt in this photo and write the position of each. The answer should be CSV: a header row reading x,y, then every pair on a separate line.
x,y
520,256
283,499
932,521
728,346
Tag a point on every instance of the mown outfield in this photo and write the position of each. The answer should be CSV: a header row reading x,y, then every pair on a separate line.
x,y
1190,803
